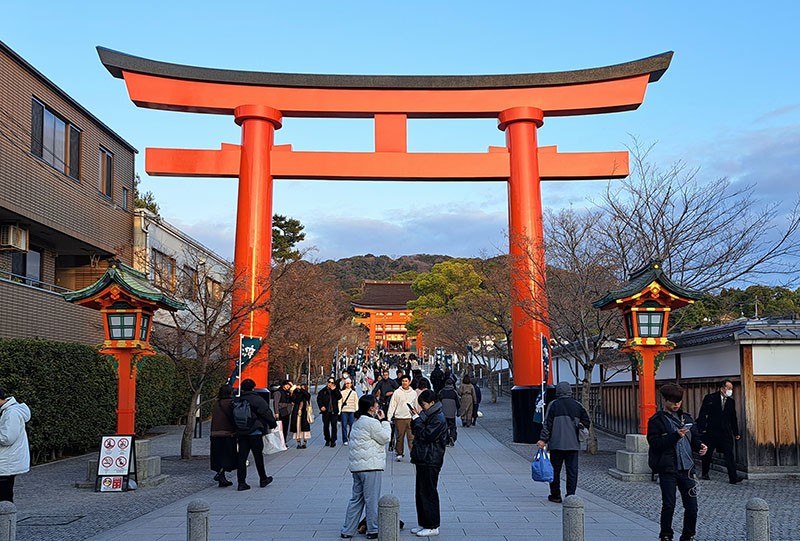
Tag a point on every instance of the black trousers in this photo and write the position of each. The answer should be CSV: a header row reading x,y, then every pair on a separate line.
x,y
329,423
7,488
247,444
426,494
285,420
688,489
570,460
724,444
451,428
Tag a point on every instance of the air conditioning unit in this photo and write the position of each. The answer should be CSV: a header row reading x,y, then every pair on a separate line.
x,y
13,237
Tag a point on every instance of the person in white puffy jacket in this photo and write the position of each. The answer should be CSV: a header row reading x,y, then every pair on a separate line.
x,y
15,457
367,460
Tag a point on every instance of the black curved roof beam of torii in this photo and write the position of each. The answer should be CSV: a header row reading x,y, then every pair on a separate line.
x,y
118,64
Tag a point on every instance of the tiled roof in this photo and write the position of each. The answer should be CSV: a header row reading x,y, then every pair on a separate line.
x,y
384,294
742,329
132,281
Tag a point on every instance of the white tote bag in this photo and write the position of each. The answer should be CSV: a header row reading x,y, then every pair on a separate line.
x,y
273,441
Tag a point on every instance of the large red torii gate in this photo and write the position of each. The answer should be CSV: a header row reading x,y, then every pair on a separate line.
x,y
259,101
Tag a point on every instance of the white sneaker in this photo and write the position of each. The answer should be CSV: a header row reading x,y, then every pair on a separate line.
x,y
399,458
417,529
345,443
425,532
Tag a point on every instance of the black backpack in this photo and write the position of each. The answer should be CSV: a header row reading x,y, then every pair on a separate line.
x,y
243,416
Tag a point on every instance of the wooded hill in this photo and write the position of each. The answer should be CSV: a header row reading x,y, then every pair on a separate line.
x,y
352,271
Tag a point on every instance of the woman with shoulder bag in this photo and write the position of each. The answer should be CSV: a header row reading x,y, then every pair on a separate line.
x,y
348,405
301,418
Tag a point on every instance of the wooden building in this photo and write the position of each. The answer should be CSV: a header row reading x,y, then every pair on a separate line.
x,y
762,359
383,309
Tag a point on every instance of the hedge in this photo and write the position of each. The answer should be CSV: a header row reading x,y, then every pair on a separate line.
x,y
71,390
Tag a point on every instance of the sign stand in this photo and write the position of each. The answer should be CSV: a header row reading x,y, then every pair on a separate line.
x,y
116,463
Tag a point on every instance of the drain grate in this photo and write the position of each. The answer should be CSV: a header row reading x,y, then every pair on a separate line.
x,y
49,520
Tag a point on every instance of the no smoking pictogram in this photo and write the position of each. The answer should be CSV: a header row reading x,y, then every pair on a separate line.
x,y
108,462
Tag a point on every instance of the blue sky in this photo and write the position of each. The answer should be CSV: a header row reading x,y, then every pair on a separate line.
x,y
729,102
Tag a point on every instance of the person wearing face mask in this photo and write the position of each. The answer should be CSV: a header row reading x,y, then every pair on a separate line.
x,y
720,428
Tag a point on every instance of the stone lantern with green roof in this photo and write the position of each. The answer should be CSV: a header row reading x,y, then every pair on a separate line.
x,y
127,301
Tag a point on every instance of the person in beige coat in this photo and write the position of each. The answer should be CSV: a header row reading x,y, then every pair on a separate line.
x,y
466,393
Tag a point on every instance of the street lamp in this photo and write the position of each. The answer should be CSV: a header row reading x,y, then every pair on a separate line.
x,y
646,302
127,301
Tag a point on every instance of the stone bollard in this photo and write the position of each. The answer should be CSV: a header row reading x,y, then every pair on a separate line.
x,y
8,521
388,518
572,519
757,520
197,521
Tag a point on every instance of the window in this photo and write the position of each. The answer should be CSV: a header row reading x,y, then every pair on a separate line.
x,y
214,290
54,140
144,328
163,269
28,265
121,326
125,198
189,283
106,181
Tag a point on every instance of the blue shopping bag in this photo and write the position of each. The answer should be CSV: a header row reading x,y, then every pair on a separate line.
x,y
541,468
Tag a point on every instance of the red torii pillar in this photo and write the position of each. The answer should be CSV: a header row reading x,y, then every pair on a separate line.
x,y
258,101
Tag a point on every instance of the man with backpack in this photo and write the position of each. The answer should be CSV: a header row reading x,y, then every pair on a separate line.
x,y
253,419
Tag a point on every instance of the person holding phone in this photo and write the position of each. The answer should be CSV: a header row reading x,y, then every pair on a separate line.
x,y
673,436
367,460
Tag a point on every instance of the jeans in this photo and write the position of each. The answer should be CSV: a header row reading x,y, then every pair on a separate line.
x,y
246,444
570,460
688,489
366,492
329,426
426,494
348,418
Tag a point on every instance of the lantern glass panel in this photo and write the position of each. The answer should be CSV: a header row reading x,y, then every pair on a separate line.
x,y
121,326
145,327
650,324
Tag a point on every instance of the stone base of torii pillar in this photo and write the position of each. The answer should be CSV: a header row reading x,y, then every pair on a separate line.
x,y
632,461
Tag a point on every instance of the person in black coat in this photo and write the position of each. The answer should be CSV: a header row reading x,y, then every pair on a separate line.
x,y
264,422
430,437
328,403
718,425
672,436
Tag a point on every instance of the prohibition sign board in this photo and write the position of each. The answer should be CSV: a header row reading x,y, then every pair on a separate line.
x,y
115,463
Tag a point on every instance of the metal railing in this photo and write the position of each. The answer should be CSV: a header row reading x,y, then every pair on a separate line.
x,y
7,276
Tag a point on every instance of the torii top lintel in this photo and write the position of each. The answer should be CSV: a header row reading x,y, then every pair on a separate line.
x,y
161,85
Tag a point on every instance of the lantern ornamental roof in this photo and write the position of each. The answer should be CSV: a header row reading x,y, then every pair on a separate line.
x,y
641,280
384,294
130,280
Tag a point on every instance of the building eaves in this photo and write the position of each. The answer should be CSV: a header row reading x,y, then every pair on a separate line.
x,y
39,75
740,330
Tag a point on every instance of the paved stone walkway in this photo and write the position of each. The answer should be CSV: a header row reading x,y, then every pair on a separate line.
x,y
485,490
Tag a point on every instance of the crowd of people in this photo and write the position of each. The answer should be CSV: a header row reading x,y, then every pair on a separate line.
x,y
366,409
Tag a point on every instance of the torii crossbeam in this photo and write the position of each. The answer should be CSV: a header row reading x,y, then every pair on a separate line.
x,y
259,101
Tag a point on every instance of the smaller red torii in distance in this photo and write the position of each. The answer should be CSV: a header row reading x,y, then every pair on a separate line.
x,y
259,102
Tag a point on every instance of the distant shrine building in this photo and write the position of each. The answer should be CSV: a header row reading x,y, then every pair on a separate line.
x,y
383,309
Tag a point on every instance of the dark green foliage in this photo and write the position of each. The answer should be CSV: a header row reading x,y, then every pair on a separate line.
x,y
71,390
161,393
286,234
